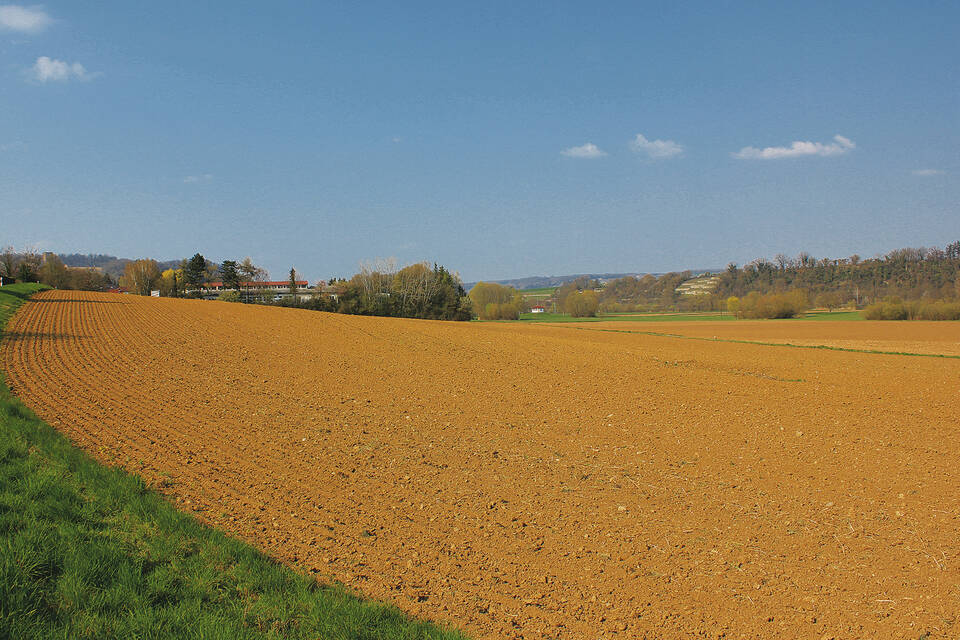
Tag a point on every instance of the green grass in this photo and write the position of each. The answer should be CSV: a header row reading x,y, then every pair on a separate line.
x,y
13,295
89,552
834,315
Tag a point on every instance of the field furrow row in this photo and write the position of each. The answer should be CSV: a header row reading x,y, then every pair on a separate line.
x,y
533,481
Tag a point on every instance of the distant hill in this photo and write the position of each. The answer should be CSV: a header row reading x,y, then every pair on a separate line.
x,y
111,265
539,282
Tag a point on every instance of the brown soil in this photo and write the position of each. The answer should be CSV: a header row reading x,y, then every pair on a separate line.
x,y
530,481
938,338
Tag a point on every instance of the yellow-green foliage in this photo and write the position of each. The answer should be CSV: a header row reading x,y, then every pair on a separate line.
x,y
581,304
892,308
493,301
830,300
940,310
495,311
733,305
774,305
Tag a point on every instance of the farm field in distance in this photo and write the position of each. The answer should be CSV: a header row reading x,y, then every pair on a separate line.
x,y
919,337
699,316
530,480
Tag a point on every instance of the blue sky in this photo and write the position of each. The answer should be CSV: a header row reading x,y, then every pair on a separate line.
x,y
500,139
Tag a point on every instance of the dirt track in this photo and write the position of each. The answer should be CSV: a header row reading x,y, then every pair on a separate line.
x,y
531,481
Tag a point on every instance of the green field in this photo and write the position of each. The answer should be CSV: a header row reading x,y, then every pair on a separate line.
x,y
88,551
624,317
834,315
12,296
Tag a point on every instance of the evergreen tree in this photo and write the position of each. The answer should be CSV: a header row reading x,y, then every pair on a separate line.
x,y
230,275
194,271
293,281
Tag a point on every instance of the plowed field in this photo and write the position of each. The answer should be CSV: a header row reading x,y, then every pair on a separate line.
x,y
531,481
941,338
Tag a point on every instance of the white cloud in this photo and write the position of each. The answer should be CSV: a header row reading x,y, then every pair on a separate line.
x,y
656,148
206,177
24,19
928,172
839,146
51,70
11,146
588,150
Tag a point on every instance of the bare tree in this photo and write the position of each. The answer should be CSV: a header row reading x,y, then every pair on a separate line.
x,y
28,264
8,262
375,279
141,276
53,272
249,273
415,286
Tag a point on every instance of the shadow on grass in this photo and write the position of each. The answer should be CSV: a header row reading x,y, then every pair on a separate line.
x,y
22,290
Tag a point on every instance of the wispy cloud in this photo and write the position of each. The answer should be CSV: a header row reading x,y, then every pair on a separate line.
x,y
839,146
11,146
588,150
205,177
928,172
656,148
23,19
51,70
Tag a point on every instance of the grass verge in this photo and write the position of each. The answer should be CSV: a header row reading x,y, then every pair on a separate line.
x,y
834,316
88,551
626,317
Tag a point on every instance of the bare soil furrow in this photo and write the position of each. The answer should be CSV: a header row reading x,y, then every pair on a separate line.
x,y
534,481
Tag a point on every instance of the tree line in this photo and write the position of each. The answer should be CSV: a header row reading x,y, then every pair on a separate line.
x,y
492,301
188,279
761,288
911,274
29,265
382,289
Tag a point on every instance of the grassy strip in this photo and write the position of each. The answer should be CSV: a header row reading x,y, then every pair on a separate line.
x,y
617,317
13,295
771,344
89,552
835,316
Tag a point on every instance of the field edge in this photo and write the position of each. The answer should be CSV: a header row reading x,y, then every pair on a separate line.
x,y
91,551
